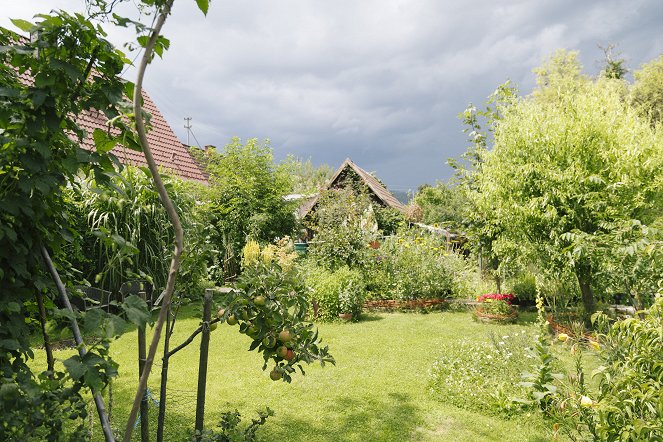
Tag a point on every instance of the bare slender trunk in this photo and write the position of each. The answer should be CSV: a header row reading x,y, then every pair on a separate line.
x,y
50,362
164,376
172,215
78,338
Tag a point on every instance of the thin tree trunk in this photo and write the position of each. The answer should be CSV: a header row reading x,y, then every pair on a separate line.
x,y
144,418
202,365
588,301
78,338
172,215
164,377
50,362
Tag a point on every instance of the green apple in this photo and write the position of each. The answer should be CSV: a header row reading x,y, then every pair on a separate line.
x,y
275,375
232,320
285,336
260,301
282,352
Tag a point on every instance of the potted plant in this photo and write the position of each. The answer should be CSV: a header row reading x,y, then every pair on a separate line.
x,y
496,307
350,300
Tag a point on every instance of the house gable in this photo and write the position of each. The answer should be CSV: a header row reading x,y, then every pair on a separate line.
x,y
377,191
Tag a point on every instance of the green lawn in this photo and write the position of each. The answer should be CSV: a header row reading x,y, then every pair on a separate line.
x,y
376,392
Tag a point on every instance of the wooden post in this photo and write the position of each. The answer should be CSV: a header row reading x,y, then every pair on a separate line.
x,y
202,366
142,354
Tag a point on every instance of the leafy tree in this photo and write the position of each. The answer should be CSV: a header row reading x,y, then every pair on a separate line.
x,y
307,179
482,225
245,199
647,91
443,204
44,84
568,165
614,67
560,74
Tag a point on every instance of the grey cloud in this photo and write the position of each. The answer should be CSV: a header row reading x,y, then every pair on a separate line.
x,y
380,81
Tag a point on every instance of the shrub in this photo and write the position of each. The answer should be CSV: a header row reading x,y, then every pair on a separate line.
x,y
628,403
340,291
341,222
480,376
408,267
524,287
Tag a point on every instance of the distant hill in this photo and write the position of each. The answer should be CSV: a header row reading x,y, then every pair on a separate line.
x,y
402,196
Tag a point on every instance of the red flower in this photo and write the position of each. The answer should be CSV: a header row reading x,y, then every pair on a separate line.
x,y
489,297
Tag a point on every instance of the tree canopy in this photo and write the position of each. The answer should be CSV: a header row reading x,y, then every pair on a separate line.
x,y
571,165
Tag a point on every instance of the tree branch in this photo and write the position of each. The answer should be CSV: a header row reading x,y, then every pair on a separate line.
x,y
170,209
190,338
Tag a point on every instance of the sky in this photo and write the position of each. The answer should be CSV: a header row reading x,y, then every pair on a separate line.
x,y
379,81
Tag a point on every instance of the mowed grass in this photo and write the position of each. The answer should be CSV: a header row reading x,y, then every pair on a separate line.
x,y
378,390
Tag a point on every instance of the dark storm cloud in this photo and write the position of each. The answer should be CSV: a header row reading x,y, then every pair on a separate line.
x,y
378,81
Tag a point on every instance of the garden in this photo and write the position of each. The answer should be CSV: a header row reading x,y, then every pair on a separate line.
x,y
523,300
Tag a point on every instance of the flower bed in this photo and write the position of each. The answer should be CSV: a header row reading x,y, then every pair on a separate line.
x,y
415,304
495,307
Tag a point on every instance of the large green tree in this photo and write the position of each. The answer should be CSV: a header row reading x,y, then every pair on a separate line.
x,y
45,82
571,165
647,91
245,199
443,204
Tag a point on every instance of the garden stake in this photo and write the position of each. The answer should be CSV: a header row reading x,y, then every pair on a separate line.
x,y
164,376
47,342
202,366
78,338
142,350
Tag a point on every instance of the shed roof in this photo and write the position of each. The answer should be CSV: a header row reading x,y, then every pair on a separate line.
x,y
378,189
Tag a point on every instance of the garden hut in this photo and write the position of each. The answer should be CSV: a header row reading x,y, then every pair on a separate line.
x,y
347,174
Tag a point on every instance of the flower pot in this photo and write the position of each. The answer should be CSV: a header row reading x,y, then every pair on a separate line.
x,y
482,316
345,316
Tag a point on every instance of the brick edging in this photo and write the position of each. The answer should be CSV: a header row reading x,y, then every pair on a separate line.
x,y
411,304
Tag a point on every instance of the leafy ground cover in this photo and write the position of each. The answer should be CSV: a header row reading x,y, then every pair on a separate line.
x,y
380,389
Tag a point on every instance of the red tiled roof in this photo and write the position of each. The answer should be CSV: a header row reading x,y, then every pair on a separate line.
x,y
168,151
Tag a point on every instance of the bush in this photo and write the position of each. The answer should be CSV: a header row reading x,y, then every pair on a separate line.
x,y
628,403
341,222
408,267
524,287
480,376
340,291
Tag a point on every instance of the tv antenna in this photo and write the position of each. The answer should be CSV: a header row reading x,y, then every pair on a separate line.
x,y
188,126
